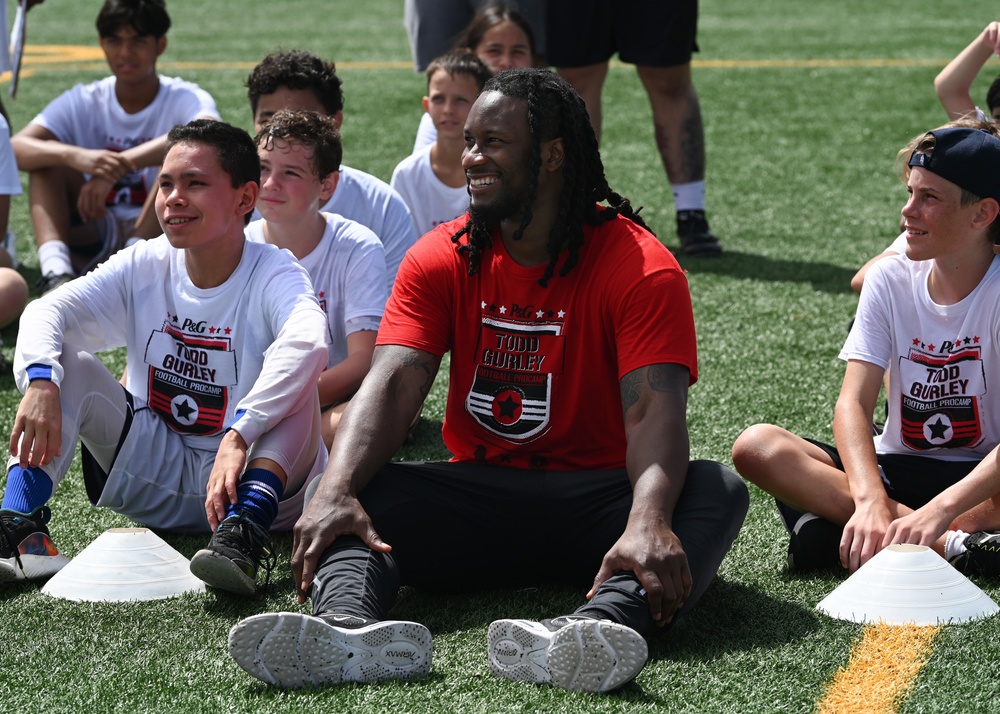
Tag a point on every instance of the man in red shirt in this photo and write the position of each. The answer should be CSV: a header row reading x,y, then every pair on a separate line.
x,y
572,349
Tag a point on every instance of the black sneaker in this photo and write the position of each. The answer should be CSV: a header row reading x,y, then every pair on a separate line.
x,y
568,652
50,281
696,237
238,548
981,556
813,542
288,649
26,549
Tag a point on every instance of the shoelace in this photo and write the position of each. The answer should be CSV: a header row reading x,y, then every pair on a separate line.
x,y
8,536
257,541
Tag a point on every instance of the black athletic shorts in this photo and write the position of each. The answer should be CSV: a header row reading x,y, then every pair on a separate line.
x,y
650,33
910,479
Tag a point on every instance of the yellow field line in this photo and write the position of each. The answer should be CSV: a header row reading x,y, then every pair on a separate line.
x,y
91,57
881,670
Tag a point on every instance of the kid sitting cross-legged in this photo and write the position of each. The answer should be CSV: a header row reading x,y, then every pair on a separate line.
x,y
930,319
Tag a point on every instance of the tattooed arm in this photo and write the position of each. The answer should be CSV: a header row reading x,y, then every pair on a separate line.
x,y
654,400
373,427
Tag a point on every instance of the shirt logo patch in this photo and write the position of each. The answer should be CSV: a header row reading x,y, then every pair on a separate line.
x,y
512,390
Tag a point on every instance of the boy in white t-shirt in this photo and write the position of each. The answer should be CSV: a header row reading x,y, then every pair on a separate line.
x,y
93,151
931,322
218,430
300,153
298,80
432,180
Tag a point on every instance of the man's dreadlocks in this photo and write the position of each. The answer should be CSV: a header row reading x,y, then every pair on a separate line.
x,y
554,110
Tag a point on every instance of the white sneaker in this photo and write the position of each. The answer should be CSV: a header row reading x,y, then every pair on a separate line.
x,y
288,649
567,652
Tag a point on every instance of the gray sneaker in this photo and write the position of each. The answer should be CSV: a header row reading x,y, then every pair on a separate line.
x,y
568,652
288,649
237,550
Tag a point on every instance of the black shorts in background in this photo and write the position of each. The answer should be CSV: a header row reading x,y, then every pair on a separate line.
x,y
650,33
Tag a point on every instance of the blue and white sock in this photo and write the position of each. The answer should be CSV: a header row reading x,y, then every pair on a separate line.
x,y
258,493
27,489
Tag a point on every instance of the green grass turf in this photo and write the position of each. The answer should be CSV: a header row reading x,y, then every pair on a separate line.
x,y
801,132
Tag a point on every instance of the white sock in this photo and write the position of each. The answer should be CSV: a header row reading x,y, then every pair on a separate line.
x,y
954,544
54,258
689,196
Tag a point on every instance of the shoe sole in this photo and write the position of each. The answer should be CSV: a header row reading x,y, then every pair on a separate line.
x,y
589,656
36,567
291,650
222,573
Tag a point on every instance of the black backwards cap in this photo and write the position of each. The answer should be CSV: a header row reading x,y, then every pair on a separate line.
x,y
969,158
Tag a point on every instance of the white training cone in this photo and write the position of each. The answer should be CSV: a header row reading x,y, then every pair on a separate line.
x,y
908,585
124,564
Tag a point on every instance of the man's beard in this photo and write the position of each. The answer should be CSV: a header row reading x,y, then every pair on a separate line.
x,y
488,217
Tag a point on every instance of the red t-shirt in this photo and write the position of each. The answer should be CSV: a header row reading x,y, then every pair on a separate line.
x,y
535,371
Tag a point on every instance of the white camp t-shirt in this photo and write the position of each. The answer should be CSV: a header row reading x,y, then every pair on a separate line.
x,y
430,200
347,269
371,202
10,181
941,360
243,351
426,133
90,116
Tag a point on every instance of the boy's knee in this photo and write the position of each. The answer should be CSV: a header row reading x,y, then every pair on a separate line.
x,y
755,448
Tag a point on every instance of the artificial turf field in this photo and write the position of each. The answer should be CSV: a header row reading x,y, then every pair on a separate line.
x,y
805,105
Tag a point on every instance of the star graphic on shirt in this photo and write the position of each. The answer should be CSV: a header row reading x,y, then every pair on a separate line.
x,y
482,305
211,330
975,339
938,429
174,318
509,406
930,347
967,340
561,314
503,310
228,330
184,409
916,341
540,314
